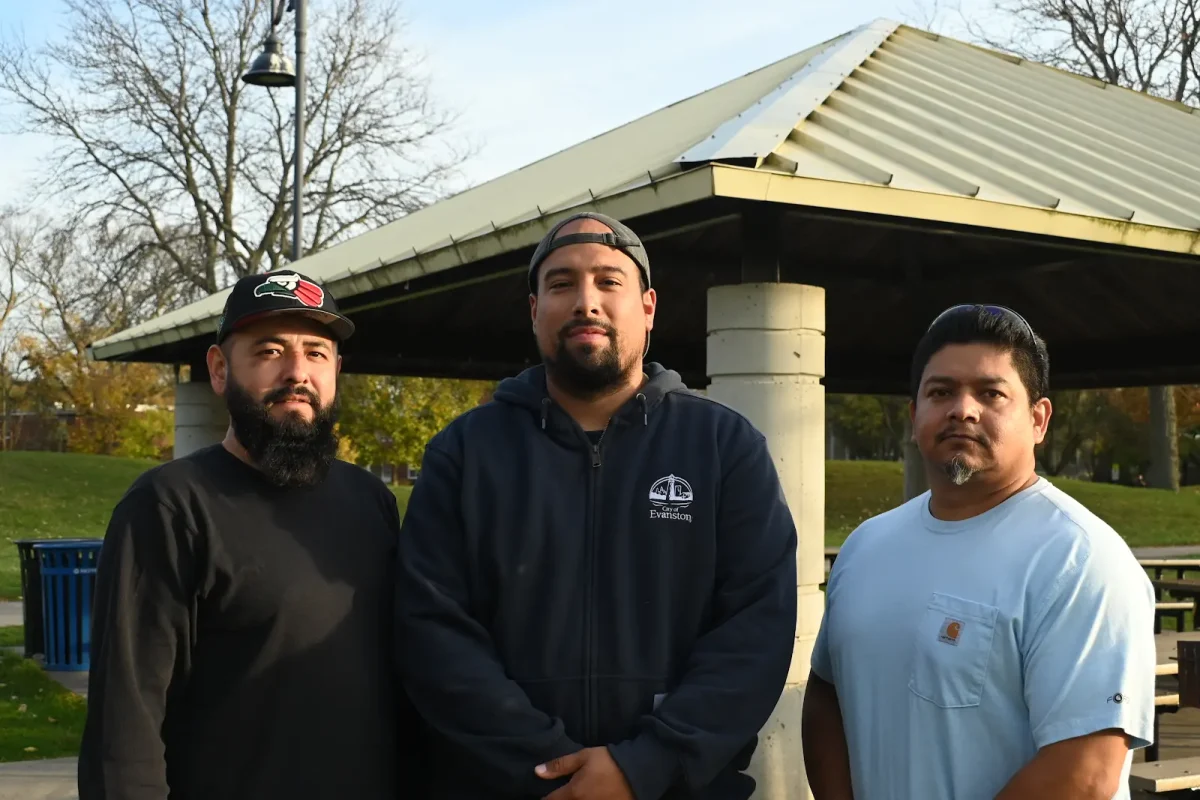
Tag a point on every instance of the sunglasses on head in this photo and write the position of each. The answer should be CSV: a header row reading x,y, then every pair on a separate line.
x,y
999,311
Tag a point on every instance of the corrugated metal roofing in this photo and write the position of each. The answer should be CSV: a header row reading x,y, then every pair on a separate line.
x,y
929,114
883,105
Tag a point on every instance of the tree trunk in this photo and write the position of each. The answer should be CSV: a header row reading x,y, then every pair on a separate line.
x,y
915,480
1164,441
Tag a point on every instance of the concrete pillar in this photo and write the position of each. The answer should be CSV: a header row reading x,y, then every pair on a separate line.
x,y
916,482
766,358
200,416
1164,441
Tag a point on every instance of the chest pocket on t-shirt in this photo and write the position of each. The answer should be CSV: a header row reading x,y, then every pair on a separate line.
x,y
952,651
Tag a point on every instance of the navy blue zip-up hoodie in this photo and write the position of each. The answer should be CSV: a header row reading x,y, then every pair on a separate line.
x,y
638,594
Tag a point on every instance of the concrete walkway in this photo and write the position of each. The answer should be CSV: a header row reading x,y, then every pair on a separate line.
x,y
1175,551
48,779
44,779
11,614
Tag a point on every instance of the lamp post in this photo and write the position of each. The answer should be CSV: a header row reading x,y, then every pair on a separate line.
x,y
272,69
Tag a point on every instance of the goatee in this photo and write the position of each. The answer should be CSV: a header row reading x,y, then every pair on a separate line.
x,y
958,470
592,372
290,452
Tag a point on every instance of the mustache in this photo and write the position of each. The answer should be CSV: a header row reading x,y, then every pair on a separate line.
x,y
575,324
952,433
291,393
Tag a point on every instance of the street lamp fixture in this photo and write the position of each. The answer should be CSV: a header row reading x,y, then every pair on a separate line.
x,y
273,69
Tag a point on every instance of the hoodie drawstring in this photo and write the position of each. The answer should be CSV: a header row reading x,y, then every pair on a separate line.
x,y
645,414
545,410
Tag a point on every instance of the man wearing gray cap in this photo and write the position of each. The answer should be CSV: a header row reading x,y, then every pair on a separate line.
x,y
597,582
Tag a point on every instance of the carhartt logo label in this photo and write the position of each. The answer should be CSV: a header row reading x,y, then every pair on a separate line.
x,y
670,496
951,629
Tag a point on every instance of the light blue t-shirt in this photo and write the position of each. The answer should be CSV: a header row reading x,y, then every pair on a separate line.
x,y
959,649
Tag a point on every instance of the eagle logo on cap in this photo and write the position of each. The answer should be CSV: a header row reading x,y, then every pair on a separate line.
x,y
292,286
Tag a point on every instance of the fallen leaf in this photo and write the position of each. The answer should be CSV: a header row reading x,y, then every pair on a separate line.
x,y
51,719
30,749
21,709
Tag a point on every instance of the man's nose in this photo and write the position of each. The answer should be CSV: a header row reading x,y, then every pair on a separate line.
x,y
587,300
964,408
295,368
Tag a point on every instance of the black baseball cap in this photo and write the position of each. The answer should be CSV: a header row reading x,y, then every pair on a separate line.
x,y
280,292
621,238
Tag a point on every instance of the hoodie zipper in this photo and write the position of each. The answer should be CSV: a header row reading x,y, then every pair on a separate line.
x,y
591,543
593,539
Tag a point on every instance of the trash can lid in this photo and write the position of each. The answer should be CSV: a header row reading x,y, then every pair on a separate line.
x,y
66,544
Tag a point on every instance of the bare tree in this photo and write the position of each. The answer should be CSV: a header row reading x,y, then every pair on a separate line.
x,y
16,242
1145,45
15,245
160,142
924,14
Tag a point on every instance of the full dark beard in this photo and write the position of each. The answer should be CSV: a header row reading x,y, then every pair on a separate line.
x,y
290,452
592,373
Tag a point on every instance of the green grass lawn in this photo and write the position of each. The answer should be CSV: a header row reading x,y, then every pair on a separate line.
x,y
55,495
38,717
12,636
402,493
855,490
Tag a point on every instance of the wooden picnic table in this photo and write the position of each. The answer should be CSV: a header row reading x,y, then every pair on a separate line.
x,y
1161,777
1166,690
1166,645
1175,587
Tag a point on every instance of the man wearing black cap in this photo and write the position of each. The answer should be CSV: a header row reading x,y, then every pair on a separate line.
x,y
243,614
597,588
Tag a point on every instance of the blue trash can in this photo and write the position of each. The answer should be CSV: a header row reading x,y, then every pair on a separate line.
x,y
68,573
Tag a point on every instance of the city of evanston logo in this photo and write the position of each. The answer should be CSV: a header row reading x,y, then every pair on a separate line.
x,y
669,496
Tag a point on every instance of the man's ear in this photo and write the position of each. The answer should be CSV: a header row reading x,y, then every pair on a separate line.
x,y
1042,410
218,369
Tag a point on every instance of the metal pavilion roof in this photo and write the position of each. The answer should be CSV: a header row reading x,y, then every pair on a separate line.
x,y
931,121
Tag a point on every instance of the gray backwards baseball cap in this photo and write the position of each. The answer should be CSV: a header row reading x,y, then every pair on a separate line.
x,y
621,238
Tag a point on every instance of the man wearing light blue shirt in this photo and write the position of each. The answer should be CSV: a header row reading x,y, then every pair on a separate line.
x,y
991,638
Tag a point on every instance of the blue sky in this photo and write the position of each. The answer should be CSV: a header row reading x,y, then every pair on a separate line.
x,y
531,77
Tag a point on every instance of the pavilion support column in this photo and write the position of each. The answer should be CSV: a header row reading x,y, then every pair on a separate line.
x,y
766,359
200,416
916,482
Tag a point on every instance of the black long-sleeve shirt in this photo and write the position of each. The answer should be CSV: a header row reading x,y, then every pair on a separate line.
x,y
242,641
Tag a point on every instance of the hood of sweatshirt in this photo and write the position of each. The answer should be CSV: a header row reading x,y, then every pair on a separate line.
x,y
528,390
